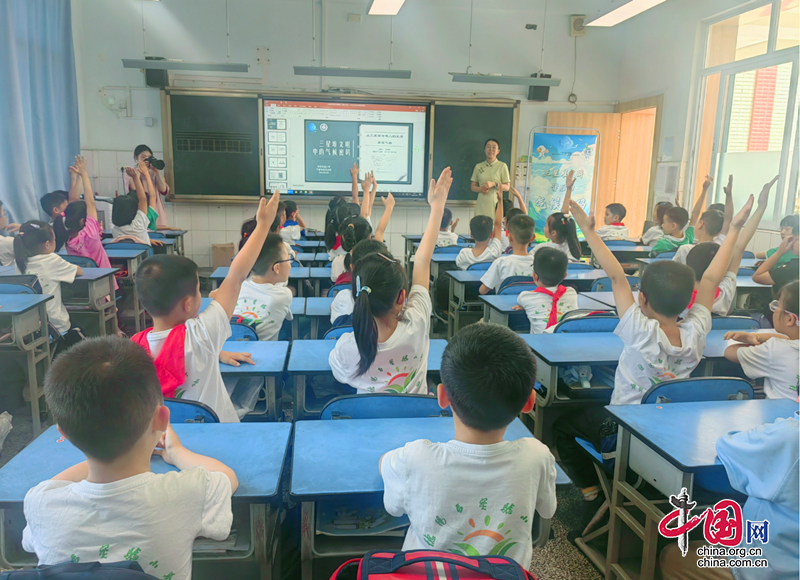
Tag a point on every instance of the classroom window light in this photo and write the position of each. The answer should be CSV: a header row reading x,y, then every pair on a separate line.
x,y
621,11
384,7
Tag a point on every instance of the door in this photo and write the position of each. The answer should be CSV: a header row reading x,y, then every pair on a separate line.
x,y
634,161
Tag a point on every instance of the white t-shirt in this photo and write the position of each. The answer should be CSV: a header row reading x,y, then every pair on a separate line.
x,y
291,232
724,302
6,251
648,358
466,258
504,242
266,305
652,235
505,267
682,252
538,305
337,267
401,363
333,253
461,497
776,362
137,228
447,239
52,270
291,251
150,518
205,336
613,232
342,304
563,247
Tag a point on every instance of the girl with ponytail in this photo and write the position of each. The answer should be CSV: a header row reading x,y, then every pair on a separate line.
x,y
388,348
338,211
353,231
560,228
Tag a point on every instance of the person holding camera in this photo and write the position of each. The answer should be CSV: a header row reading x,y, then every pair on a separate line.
x,y
144,154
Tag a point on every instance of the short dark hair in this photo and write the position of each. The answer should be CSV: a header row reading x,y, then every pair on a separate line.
x,y
550,266
124,209
713,220
661,210
514,211
720,207
792,221
668,286
276,223
164,280
447,217
522,227
487,396
271,252
75,212
790,297
699,258
52,200
102,393
481,227
489,141
141,149
617,209
290,206
508,205
247,229
678,215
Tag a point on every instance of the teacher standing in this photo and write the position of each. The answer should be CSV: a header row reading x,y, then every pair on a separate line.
x,y
489,176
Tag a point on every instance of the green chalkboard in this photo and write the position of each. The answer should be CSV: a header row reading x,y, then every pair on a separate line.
x,y
459,134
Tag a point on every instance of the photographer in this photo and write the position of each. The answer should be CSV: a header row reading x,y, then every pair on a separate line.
x,y
143,153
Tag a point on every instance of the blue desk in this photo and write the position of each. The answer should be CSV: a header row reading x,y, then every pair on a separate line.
x,y
500,310
322,257
132,260
167,246
270,359
26,316
306,257
317,275
94,291
176,235
314,236
255,451
308,244
750,263
296,273
464,304
317,309
628,253
670,445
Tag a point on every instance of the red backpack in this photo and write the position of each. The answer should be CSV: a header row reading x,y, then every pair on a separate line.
x,y
429,565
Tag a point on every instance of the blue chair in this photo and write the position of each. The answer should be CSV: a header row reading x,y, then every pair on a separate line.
x,y
81,261
618,243
181,411
604,284
15,289
125,570
383,406
733,323
448,249
336,332
745,272
524,282
480,266
749,255
29,281
573,266
297,249
665,256
243,332
156,236
696,389
130,246
336,288
598,323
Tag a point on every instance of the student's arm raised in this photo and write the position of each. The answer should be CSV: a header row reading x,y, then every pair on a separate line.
x,y
517,195
173,452
749,230
144,170
568,196
701,201
623,297
728,213
437,198
74,193
498,215
228,292
762,275
88,194
137,184
354,179
388,207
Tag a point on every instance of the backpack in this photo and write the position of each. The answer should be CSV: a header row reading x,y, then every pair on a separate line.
x,y
128,570
429,565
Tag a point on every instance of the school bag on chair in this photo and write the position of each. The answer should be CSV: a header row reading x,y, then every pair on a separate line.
x,y
429,565
128,570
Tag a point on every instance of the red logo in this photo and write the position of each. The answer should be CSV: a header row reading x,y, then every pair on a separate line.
x,y
722,524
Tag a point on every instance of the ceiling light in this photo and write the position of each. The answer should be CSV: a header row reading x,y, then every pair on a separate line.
x,y
621,10
343,71
384,7
180,65
498,79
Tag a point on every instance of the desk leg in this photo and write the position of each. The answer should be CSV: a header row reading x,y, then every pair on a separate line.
x,y
614,522
295,327
33,388
314,328
306,546
266,539
299,397
272,398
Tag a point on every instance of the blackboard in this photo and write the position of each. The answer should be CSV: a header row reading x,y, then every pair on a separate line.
x,y
215,145
459,134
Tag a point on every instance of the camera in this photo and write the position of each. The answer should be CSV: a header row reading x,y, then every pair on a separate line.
x,y
157,163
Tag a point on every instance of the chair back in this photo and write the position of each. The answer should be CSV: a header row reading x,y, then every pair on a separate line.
x,y
733,323
696,389
130,246
336,288
665,256
336,332
15,289
125,570
447,249
748,255
745,272
156,236
383,406
617,243
480,266
604,284
588,323
527,281
81,261
183,411
30,281
573,266
243,332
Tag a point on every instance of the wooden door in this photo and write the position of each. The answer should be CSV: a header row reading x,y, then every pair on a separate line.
x,y
633,166
706,141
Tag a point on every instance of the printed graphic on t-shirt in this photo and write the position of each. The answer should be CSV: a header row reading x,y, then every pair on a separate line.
x,y
398,377
256,310
131,555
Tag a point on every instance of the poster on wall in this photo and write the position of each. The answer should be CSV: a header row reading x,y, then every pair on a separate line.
x,y
552,158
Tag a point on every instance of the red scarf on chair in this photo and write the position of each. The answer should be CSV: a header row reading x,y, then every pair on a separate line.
x,y
694,296
555,295
171,360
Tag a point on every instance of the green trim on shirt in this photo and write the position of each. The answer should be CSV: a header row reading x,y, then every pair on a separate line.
x,y
783,259
152,216
669,244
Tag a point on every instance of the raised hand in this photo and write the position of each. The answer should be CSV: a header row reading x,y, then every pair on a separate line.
x,y
437,194
354,171
585,222
708,181
740,218
388,201
570,178
267,209
132,173
80,164
728,189
143,168
763,197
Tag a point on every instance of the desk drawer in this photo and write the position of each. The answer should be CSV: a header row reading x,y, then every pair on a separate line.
x,y
654,469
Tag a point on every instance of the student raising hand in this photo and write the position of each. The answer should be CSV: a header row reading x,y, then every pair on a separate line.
x,y
437,198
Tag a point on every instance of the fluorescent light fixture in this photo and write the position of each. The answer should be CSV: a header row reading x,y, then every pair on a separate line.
x,y
384,7
180,65
504,80
621,10
343,71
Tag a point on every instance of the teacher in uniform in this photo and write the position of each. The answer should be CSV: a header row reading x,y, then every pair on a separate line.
x,y
487,177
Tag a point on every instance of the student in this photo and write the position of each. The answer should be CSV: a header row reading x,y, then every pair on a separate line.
x,y
770,273
675,220
762,464
264,300
248,226
560,229
504,242
6,241
343,303
519,263
370,187
84,232
657,347
388,348
725,208
550,301
614,229
354,231
772,357
293,228
129,213
338,211
655,233
451,490
186,347
54,204
152,196
34,253
790,226
707,230
447,231
104,395
487,240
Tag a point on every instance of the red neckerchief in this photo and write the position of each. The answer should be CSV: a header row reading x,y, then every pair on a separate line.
x,y
171,360
618,224
694,295
344,278
554,310
338,243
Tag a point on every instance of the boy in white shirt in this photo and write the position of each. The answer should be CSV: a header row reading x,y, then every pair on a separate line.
x,y
447,232
451,490
487,239
519,263
550,301
294,227
264,300
105,397
657,347
614,229
186,346
772,357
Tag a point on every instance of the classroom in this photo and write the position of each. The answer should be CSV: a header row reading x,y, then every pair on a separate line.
x,y
361,289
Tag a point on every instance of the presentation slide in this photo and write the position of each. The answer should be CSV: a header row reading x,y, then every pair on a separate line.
x,y
312,145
